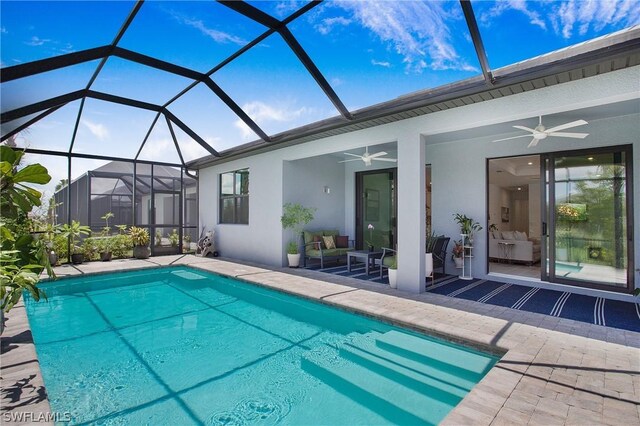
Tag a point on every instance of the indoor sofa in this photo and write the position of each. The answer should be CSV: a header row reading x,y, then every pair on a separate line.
x,y
513,246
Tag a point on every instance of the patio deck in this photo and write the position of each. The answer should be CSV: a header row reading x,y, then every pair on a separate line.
x,y
554,371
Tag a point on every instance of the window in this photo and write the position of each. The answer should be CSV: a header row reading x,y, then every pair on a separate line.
x,y
234,197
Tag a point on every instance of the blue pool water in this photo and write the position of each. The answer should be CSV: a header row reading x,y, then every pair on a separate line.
x,y
179,346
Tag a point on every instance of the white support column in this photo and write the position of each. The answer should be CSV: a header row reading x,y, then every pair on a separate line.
x,y
411,213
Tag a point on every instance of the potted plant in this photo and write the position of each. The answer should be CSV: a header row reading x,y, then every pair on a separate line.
x,y
140,241
104,244
393,272
295,216
458,253
107,229
467,226
105,248
51,232
174,238
74,232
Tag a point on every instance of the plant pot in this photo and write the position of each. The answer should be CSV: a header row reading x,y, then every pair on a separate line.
x,y
393,278
77,258
459,262
141,252
294,260
53,258
428,264
105,256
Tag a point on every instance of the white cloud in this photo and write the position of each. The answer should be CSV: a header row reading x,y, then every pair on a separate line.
x,y
327,24
191,149
417,31
217,35
285,8
98,130
262,113
571,16
37,41
336,81
3,30
519,5
384,64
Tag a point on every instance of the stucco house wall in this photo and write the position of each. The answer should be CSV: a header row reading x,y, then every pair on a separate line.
x,y
458,170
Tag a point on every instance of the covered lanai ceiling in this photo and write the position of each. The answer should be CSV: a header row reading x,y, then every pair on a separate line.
x,y
177,81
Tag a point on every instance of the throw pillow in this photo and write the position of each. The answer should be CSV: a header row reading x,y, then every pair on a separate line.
x,y
318,239
520,236
508,235
342,241
329,242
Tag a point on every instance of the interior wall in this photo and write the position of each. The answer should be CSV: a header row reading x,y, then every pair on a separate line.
x,y
519,214
535,225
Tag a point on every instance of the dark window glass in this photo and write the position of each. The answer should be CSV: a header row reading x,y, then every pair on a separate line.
x,y
234,197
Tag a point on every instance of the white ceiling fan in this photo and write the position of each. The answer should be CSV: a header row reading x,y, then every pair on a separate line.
x,y
540,132
367,158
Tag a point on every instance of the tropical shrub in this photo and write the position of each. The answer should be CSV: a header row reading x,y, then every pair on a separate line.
x,y
22,257
139,236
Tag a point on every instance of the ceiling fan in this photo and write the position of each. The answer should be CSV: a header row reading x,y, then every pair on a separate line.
x,y
540,132
367,158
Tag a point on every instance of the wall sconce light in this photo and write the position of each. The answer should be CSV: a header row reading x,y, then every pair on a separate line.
x,y
327,190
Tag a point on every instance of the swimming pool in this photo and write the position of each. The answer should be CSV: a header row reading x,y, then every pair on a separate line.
x,y
182,346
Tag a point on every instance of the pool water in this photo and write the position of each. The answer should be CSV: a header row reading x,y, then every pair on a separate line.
x,y
179,346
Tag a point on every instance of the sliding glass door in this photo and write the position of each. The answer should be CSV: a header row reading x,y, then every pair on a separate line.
x,y
587,237
376,209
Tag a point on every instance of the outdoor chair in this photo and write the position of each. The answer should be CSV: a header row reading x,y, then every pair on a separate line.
x,y
439,254
387,258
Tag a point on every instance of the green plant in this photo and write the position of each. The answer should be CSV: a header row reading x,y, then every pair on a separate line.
x,y
90,248
174,238
430,242
295,216
61,246
467,225
121,229
158,239
74,232
292,247
121,246
493,227
139,236
107,229
22,257
394,262
458,250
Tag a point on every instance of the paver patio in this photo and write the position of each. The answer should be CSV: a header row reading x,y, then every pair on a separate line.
x,y
553,371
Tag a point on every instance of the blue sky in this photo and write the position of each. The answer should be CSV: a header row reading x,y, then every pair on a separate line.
x,y
369,51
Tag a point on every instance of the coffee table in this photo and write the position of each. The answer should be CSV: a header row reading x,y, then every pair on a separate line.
x,y
365,256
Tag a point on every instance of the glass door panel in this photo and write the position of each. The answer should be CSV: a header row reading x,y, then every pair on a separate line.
x,y
376,209
588,238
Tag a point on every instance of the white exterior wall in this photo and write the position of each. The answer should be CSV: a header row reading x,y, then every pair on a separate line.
x,y
458,168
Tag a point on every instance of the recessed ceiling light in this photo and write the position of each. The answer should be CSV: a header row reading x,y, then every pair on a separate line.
x,y
519,189
530,163
590,158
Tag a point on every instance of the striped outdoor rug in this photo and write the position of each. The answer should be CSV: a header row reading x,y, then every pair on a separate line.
x,y
594,310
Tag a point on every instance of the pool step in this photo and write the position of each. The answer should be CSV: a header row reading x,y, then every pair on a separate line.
x,y
394,401
424,378
468,365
